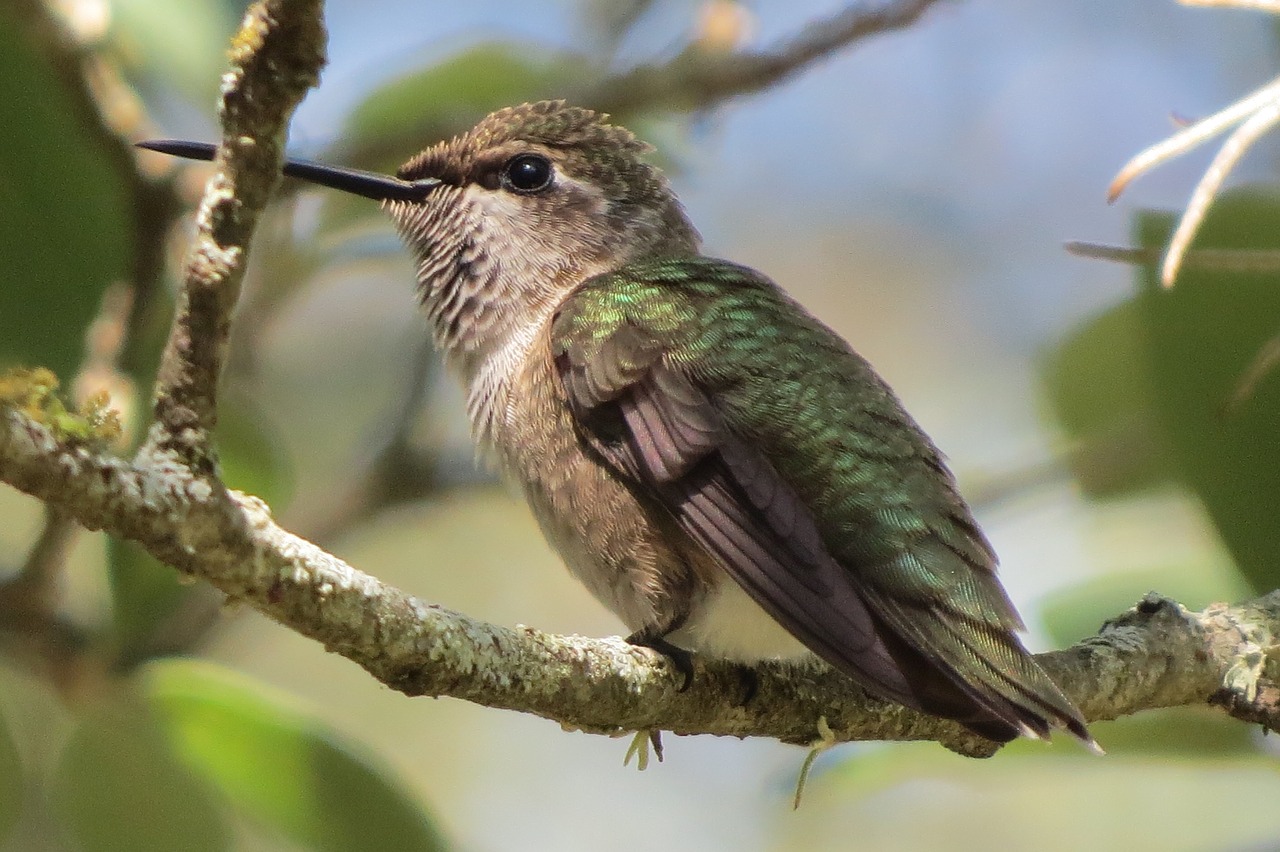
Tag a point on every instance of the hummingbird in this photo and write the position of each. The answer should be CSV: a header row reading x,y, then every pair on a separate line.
x,y
717,466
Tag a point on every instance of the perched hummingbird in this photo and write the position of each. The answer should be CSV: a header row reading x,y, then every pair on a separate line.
x,y
718,467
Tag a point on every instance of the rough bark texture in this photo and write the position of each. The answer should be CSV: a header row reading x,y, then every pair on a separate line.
x,y
1155,655
276,56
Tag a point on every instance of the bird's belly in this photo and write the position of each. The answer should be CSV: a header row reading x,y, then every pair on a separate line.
x,y
640,565
626,549
729,624
628,554
650,574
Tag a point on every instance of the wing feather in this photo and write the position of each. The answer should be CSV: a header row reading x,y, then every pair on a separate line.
x,y
910,608
730,500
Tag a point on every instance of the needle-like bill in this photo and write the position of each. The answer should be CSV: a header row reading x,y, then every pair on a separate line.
x,y
355,181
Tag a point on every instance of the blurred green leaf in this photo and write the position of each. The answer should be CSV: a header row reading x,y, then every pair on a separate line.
x,y
1152,387
422,107
1100,391
1072,614
1187,732
282,766
65,227
118,786
145,594
1203,335
182,44
11,781
436,102
250,453
1037,796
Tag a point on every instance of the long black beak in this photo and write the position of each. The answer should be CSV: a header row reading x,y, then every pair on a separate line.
x,y
358,182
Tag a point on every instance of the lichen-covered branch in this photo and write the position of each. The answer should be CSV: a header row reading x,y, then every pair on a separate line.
x,y
1155,655
275,58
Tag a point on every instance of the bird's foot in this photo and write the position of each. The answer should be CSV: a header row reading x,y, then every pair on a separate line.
x,y
640,745
826,739
680,658
750,681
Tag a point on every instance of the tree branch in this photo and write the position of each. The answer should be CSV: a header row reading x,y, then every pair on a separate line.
x,y
1156,655
697,78
275,58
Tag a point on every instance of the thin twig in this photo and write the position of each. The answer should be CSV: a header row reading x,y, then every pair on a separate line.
x,y
1264,363
1256,114
1191,137
31,630
697,78
1240,141
35,587
1215,259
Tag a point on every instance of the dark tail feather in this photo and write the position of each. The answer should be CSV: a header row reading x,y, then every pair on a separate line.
x,y
938,694
1014,678
978,675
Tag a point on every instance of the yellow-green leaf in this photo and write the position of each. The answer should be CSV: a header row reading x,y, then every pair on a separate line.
x,y
117,786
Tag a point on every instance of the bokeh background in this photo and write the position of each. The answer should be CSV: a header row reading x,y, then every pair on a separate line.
x,y
914,190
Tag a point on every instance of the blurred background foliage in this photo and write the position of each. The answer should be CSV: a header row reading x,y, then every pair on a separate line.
x,y
913,190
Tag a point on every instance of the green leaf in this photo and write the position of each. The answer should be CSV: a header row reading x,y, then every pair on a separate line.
x,y
118,786
1100,391
183,45
145,595
11,781
249,452
282,766
1203,336
65,227
1031,797
1177,732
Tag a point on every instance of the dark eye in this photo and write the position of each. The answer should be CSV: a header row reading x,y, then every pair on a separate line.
x,y
528,173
